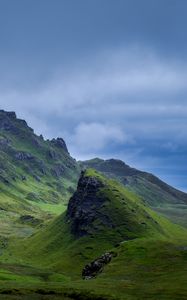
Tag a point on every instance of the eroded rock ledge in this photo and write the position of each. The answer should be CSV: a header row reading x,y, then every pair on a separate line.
x,y
83,207
94,268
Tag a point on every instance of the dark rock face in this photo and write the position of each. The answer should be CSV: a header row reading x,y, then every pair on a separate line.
x,y
10,114
6,124
23,156
30,220
59,142
58,171
4,142
10,123
95,267
52,154
83,207
41,166
36,177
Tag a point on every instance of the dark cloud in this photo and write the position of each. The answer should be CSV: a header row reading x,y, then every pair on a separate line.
x,y
109,76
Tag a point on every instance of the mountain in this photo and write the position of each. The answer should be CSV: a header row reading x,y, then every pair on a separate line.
x,y
60,225
100,215
146,253
35,173
100,205
37,178
159,195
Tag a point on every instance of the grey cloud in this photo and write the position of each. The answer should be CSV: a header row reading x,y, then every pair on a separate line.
x,y
117,104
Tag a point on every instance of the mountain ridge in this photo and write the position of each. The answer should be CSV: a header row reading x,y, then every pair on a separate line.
x,y
116,168
35,174
160,196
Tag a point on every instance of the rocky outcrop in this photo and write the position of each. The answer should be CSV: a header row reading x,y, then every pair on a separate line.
x,y
36,177
30,220
94,268
10,114
60,143
53,155
8,122
4,142
23,156
58,171
84,206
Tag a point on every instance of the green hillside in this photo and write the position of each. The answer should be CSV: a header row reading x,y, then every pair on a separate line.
x,y
52,229
37,176
160,196
150,253
101,211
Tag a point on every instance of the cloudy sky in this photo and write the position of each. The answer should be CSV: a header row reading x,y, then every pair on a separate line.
x,y
109,76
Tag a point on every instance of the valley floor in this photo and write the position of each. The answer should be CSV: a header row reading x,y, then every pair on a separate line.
x,y
40,261
143,269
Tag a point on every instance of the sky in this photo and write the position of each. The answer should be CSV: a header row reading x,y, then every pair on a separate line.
x,y
109,76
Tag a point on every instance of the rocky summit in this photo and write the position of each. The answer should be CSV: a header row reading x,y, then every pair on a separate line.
x,y
100,205
32,170
84,205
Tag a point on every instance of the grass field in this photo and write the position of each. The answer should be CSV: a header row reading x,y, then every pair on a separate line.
x,y
152,264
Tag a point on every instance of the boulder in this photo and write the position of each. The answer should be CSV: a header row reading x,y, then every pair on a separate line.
x,y
84,206
60,143
23,156
30,220
92,269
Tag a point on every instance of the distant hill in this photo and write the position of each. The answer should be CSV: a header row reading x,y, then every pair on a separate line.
x,y
162,197
148,186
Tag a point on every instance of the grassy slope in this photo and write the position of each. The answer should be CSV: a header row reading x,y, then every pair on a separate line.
x,y
30,186
160,196
151,266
